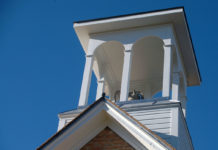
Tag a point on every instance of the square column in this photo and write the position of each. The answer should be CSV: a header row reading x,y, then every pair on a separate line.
x,y
126,75
100,88
84,93
167,69
175,85
182,95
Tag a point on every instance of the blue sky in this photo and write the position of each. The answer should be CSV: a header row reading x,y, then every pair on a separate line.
x,y
41,65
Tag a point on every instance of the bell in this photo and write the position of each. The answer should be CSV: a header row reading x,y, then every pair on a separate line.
x,y
134,95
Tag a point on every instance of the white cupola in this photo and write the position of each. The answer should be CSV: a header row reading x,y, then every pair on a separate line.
x,y
144,64
137,56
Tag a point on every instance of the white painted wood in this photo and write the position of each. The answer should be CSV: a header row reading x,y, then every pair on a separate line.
x,y
61,124
164,118
166,87
126,75
175,86
166,121
145,111
150,85
159,127
125,134
100,88
152,116
143,138
90,134
84,93
158,120
184,140
183,104
110,26
102,115
175,126
172,128
182,95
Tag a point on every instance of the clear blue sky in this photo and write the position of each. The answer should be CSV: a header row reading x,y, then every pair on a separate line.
x,y
41,65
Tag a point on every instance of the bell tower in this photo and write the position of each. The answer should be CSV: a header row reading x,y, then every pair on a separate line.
x,y
141,53
144,64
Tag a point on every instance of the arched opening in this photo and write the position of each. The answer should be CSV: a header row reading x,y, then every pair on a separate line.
x,y
108,65
147,67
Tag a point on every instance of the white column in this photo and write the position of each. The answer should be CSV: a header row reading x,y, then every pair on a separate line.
x,y
100,88
126,75
176,86
167,71
84,93
182,96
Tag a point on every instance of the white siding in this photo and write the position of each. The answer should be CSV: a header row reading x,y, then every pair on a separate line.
x,y
184,141
164,119
158,120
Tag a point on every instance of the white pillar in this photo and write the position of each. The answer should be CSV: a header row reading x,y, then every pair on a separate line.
x,y
126,75
84,93
100,88
167,71
175,86
183,97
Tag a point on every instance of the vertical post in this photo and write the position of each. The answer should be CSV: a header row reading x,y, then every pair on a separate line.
x,y
84,93
126,75
183,98
175,86
100,88
167,70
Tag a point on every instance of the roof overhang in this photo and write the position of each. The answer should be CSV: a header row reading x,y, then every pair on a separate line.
x,y
175,16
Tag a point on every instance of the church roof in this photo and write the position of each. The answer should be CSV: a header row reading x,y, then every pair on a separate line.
x,y
95,117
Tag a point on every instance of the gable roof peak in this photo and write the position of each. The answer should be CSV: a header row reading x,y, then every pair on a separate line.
x,y
97,116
